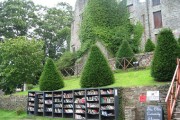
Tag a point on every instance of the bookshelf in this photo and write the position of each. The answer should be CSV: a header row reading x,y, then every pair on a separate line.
x,y
48,103
40,104
68,104
81,104
57,104
31,103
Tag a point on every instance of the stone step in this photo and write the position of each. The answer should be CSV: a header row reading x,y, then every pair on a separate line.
x,y
176,114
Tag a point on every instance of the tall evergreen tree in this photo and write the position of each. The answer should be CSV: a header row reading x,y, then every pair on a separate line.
x,y
96,72
149,46
164,61
50,78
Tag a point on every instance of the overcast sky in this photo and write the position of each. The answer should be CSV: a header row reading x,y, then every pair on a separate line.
x,y
52,3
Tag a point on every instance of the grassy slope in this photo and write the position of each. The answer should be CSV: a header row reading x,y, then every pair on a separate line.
x,y
122,79
11,115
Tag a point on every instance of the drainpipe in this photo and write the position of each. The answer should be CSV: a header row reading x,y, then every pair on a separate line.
x,y
149,25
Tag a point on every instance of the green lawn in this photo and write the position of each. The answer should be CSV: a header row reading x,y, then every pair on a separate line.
x,y
11,115
122,79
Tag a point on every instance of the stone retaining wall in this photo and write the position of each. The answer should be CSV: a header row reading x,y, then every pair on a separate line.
x,y
133,109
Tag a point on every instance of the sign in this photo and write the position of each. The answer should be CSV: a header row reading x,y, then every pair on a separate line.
x,y
142,98
154,113
152,95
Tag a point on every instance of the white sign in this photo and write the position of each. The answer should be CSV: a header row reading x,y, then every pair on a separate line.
x,y
152,95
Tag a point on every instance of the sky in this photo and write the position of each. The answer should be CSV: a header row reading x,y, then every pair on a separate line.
x,y
52,3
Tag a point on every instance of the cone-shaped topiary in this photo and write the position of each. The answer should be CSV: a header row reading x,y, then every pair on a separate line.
x,y
124,51
149,46
96,72
50,78
164,61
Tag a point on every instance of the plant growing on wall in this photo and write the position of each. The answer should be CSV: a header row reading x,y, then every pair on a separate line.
x,y
164,61
99,23
149,46
50,78
124,51
96,72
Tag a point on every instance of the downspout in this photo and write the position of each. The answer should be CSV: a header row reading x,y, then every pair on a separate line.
x,y
149,25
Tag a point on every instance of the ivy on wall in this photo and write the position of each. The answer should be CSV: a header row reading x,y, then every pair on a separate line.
x,y
108,20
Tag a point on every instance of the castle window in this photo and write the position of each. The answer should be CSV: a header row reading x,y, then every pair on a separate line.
x,y
157,19
155,2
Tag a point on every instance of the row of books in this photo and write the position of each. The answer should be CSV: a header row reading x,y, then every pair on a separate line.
x,y
40,109
57,95
107,100
48,95
30,108
107,107
93,111
80,111
68,110
79,93
80,106
48,102
93,105
31,103
79,117
40,105
57,110
68,100
31,99
40,100
93,98
105,113
57,100
58,105
32,94
49,109
92,92
110,91
80,100
40,96
68,95
68,106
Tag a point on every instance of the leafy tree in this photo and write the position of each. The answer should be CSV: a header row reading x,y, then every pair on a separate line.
x,y
149,46
21,62
17,17
96,72
50,78
124,51
54,28
100,24
164,61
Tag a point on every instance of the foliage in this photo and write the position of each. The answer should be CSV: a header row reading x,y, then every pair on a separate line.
x,y
54,28
50,78
30,86
149,46
100,24
124,51
137,32
20,17
164,61
21,62
66,60
96,72
19,111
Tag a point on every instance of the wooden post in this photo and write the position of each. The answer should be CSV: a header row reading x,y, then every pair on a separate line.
x,y
168,110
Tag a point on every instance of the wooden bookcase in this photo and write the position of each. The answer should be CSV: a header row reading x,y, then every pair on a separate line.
x,y
81,104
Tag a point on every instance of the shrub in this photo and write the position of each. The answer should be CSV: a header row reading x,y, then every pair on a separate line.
x,y
164,61
149,46
124,51
30,86
96,72
50,78
19,111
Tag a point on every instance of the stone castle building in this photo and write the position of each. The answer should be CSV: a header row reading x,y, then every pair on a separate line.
x,y
153,15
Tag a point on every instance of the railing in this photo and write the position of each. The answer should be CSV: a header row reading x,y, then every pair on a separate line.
x,y
173,92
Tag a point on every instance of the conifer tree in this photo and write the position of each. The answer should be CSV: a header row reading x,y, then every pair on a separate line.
x,y
164,61
50,78
96,72
149,46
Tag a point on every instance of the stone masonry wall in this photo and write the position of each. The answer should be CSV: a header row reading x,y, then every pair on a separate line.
x,y
134,110
13,102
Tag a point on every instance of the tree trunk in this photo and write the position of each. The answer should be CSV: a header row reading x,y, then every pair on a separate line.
x,y
25,86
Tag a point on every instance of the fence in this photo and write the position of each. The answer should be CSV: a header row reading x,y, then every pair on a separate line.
x,y
138,61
